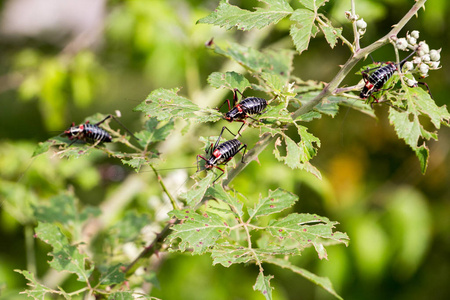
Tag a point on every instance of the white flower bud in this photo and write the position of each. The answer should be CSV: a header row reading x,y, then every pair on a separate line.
x,y
415,34
426,58
434,64
361,24
423,47
423,68
408,65
412,41
435,55
416,60
411,82
361,31
402,44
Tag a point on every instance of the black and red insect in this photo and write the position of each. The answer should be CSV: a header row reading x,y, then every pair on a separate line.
x,y
91,133
375,81
221,154
245,108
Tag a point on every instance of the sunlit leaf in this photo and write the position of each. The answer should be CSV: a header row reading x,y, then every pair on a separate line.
x,y
197,231
323,282
307,229
313,4
263,285
197,192
229,80
165,105
217,192
299,154
229,16
303,28
270,61
331,33
276,201
407,122
154,132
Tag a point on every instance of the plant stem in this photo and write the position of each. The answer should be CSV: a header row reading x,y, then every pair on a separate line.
x,y
163,186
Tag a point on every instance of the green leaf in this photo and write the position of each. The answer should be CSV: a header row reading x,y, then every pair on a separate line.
x,y
129,227
299,154
136,163
226,255
323,282
195,195
217,192
63,209
331,33
422,154
229,80
199,232
65,257
154,132
263,285
276,201
269,61
303,28
127,295
307,229
166,104
229,16
313,4
37,290
407,122
43,147
113,275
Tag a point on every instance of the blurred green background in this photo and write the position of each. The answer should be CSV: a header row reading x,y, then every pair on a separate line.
x,y
63,61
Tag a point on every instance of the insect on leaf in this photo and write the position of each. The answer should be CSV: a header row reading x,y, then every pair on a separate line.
x,y
263,285
229,80
229,16
196,231
65,257
323,282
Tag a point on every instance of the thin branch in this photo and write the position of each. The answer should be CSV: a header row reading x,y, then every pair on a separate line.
x,y
163,186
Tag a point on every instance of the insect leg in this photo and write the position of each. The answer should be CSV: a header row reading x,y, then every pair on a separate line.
x,y
199,156
243,154
428,88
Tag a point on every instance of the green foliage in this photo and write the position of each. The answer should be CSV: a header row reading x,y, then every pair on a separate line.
x,y
209,217
211,232
65,257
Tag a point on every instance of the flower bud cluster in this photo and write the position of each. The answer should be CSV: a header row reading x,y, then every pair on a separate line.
x,y
424,59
